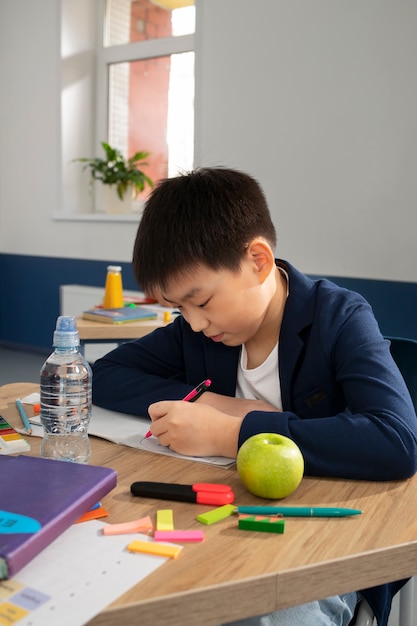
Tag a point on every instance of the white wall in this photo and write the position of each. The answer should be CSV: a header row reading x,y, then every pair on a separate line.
x,y
78,98
315,98
318,100
31,190
29,122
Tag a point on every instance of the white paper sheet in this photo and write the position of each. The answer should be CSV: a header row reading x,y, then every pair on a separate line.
x,y
74,578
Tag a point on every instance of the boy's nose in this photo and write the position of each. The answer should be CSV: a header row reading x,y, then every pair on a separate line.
x,y
197,321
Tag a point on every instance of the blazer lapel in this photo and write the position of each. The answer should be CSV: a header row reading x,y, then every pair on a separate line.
x,y
223,361
298,315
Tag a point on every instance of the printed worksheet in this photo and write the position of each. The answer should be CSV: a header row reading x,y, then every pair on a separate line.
x,y
74,578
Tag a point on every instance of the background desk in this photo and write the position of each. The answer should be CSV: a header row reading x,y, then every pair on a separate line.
x,y
77,298
235,574
100,332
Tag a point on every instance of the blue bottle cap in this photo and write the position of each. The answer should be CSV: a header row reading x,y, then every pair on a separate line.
x,y
66,333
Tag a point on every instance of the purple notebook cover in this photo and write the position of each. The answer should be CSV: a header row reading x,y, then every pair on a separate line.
x,y
55,493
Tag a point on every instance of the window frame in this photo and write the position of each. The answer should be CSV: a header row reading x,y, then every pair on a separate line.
x,y
136,51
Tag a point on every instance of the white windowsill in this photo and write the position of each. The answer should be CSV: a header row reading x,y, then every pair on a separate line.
x,y
97,217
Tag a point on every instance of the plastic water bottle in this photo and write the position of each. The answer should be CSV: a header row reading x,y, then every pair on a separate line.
x,y
65,385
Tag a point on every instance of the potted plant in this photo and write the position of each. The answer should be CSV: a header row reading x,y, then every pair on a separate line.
x,y
118,173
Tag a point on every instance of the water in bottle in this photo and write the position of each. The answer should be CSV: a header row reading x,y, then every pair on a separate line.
x,y
65,386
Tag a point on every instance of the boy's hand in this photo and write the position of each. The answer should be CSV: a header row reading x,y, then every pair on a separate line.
x,y
194,428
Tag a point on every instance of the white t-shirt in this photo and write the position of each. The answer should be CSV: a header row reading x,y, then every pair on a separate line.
x,y
262,382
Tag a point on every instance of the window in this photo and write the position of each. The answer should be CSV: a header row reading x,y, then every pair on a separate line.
x,y
145,89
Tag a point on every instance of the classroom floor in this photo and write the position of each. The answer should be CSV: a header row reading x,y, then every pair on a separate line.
x,y
17,366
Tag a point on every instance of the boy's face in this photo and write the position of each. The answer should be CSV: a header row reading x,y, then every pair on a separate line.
x,y
226,306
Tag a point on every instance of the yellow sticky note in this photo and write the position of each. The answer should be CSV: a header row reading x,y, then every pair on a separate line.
x,y
165,519
11,437
11,613
150,547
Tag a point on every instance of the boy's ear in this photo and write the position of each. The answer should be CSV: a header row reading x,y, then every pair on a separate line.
x,y
262,256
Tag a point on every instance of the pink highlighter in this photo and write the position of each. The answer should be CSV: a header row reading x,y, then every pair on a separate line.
x,y
192,396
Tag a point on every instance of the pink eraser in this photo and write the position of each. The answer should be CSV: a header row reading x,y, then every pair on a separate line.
x,y
178,535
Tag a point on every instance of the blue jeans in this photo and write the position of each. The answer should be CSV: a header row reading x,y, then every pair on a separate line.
x,y
334,611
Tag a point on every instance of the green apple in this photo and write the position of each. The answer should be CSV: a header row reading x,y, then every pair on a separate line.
x,y
270,465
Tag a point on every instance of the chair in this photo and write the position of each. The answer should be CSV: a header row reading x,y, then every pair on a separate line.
x,y
404,352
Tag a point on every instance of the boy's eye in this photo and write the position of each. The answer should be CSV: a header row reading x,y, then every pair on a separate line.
x,y
201,306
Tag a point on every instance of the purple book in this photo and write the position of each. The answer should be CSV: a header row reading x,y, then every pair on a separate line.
x,y
39,499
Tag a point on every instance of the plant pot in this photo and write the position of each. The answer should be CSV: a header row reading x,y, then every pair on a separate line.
x,y
113,204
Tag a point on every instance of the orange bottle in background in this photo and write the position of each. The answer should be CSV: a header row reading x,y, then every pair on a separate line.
x,y
113,293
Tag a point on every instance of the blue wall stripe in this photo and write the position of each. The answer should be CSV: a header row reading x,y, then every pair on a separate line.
x,y
29,303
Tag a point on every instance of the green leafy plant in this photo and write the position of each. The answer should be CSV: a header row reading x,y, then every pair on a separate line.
x,y
114,169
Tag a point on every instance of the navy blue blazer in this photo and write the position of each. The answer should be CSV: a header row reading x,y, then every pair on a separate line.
x,y
344,401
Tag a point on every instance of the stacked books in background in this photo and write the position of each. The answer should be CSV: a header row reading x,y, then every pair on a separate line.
x,y
119,316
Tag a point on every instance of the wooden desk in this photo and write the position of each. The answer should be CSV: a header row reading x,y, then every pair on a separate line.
x,y
235,574
102,332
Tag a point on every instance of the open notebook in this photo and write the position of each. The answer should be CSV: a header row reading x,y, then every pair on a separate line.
x,y
127,430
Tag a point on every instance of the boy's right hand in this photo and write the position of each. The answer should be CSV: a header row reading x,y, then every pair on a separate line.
x,y
194,429
199,428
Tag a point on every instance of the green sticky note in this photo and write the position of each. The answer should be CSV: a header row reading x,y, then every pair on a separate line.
x,y
215,515
3,424
266,525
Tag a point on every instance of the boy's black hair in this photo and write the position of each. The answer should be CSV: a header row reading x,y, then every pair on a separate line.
x,y
202,218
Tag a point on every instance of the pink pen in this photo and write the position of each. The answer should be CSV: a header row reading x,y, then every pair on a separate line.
x,y
192,396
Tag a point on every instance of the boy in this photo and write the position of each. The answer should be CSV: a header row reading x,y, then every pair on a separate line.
x,y
285,354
